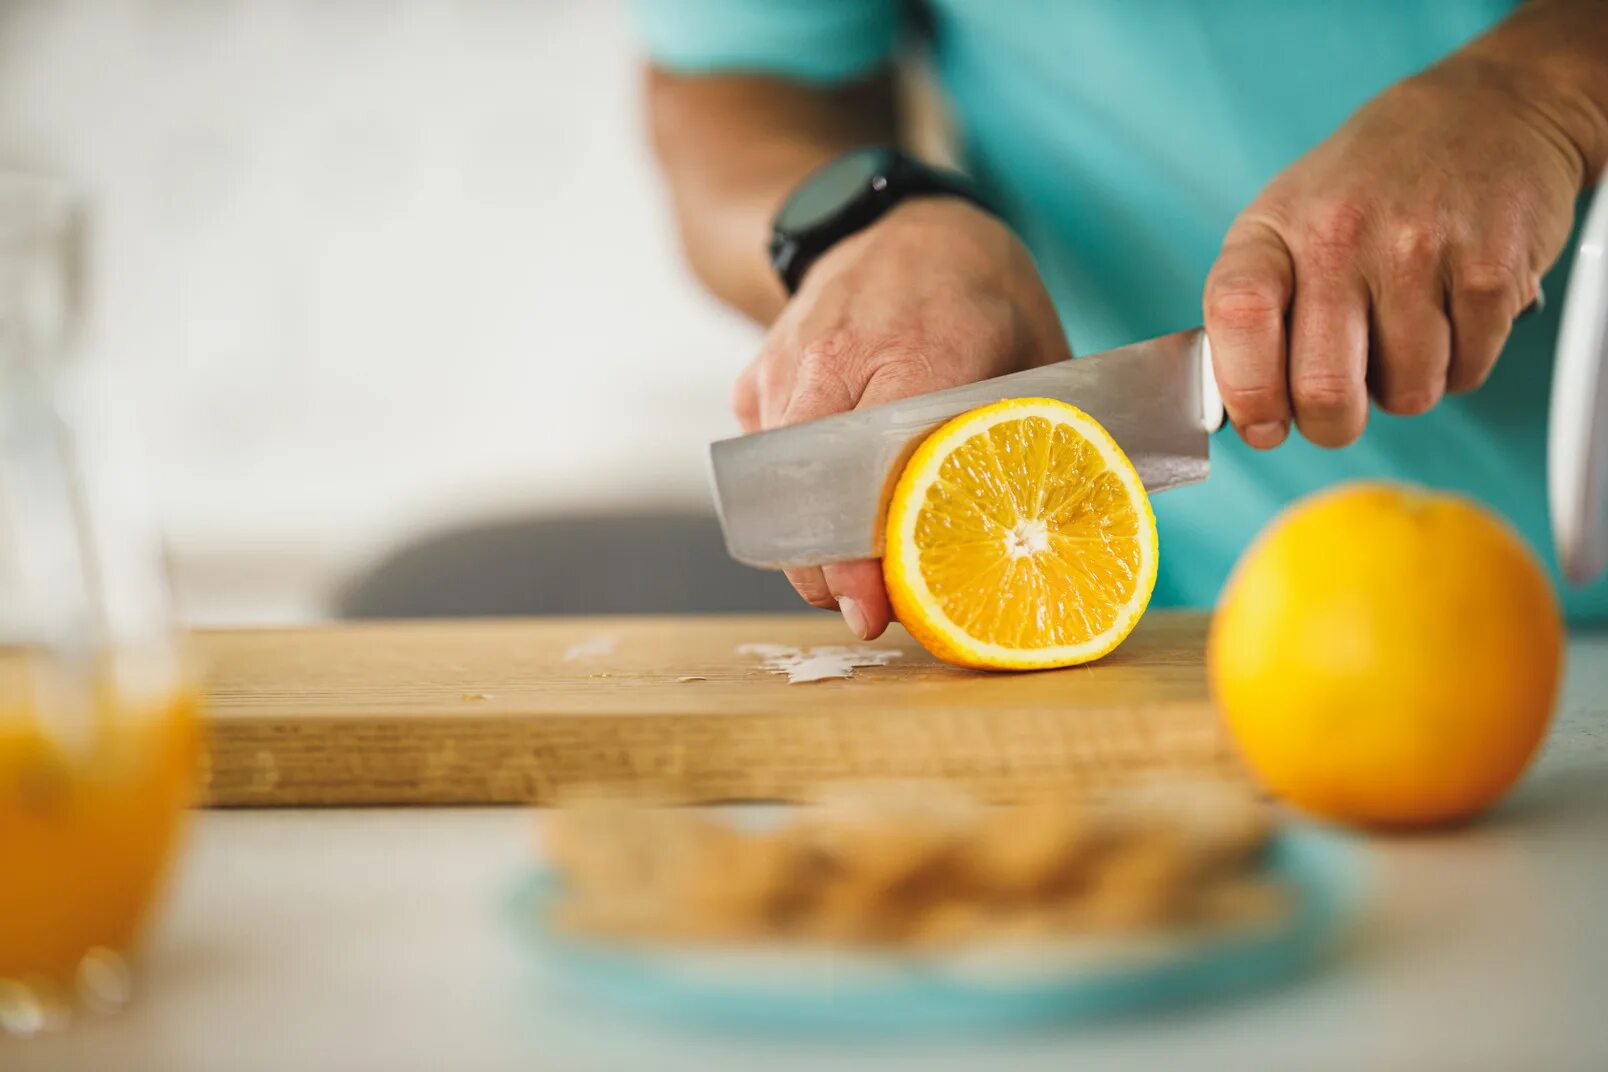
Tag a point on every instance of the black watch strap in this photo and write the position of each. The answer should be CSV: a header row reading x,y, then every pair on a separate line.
x,y
847,195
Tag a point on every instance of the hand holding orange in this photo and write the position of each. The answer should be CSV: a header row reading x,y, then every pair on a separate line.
x,y
1387,656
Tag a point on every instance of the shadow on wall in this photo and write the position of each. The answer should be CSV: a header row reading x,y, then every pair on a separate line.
x,y
614,564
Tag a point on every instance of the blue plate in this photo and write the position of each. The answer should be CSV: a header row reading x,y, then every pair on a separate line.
x,y
794,988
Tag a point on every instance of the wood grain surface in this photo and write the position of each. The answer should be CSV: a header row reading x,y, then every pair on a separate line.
x,y
519,711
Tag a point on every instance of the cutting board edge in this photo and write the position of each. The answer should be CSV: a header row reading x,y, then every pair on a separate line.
x,y
510,759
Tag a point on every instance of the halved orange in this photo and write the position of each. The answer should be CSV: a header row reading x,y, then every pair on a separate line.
x,y
1020,537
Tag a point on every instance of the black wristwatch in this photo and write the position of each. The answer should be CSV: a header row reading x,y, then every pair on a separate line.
x,y
848,195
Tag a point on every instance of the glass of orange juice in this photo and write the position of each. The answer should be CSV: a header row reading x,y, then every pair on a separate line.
x,y
98,728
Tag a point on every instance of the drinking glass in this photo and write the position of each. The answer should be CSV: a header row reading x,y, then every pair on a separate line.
x,y
98,729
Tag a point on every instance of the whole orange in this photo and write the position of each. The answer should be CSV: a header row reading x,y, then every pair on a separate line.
x,y
1387,656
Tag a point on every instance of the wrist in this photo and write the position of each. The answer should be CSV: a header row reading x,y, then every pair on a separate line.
x,y
940,229
939,219
847,196
1553,54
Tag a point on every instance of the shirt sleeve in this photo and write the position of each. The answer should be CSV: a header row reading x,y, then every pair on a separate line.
x,y
821,41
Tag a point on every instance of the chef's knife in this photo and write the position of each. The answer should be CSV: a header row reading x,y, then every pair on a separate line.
x,y
816,492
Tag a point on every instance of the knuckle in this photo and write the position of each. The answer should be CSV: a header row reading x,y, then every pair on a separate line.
x,y
1324,396
1253,399
900,379
902,362
822,375
1413,250
1245,302
1335,228
1490,281
828,352
904,351
895,380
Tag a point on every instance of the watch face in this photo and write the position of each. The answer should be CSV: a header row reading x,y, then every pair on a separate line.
x,y
826,192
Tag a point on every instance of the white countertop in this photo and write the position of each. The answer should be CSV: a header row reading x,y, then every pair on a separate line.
x,y
372,939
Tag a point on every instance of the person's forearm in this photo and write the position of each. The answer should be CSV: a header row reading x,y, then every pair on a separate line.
x,y
1558,51
732,147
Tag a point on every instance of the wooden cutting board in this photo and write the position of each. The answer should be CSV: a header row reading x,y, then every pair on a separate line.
x,y
518,711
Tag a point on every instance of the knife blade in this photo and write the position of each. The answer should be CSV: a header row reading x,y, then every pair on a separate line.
x,y
817,492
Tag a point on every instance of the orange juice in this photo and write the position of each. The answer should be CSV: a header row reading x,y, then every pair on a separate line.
x,y
86,829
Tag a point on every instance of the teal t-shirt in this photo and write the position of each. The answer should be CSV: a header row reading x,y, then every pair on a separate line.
x,y
1121,138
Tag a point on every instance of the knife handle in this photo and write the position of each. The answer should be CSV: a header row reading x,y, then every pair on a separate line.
x,y
1211,402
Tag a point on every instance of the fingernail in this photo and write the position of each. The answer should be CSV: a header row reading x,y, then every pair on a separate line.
x,y
1266,434
854,616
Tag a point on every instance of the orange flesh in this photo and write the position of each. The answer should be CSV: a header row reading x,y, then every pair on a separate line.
x,y
1027,540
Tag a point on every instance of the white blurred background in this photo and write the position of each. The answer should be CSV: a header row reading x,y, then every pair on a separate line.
x,y
371,269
